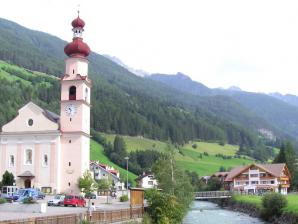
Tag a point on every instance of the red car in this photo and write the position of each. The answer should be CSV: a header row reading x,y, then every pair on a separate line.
x,y
74,200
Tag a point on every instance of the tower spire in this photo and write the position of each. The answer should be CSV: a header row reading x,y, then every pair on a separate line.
x,y
78,10
77,47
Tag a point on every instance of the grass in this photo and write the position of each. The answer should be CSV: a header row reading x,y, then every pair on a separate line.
x,y
97,153
292,206
213,148
21,74
249,199
138,143
189,159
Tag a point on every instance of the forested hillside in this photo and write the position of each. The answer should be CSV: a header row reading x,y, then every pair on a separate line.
x,y
280,113
122,102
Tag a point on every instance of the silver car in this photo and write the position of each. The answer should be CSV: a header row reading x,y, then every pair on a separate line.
x,y
57,200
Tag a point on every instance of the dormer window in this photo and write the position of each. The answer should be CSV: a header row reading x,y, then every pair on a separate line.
x,y
72,93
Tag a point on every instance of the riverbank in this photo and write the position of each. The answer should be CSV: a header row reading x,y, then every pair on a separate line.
x,y
252,205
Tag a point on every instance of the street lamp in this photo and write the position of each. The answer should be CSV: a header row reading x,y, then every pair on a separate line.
x,y
127,158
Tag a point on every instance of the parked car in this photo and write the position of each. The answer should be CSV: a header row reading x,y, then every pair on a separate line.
x,y
21,194
90,195
74,200
40,195
58,200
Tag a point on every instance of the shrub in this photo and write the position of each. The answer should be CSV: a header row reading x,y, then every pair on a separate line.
x,y
164,208
29,200
124,198
84,221
194,146
147,219
273,204
2,200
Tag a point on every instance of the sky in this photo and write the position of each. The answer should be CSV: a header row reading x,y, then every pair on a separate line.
x,y
252,44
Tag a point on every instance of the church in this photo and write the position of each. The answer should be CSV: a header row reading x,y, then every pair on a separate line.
x,y
47,151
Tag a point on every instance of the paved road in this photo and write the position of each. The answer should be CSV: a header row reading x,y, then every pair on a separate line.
x,y
100,204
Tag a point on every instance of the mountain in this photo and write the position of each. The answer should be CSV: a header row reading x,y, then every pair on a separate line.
x,y
123,102
288,98
276,111
234,88
182,82
137,72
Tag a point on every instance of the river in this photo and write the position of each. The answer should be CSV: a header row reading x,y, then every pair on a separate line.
x,y
203,212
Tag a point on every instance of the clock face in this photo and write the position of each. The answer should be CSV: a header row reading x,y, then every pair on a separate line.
x,y
70,110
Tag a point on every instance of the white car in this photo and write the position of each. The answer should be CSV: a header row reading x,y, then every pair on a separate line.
x,y
57,200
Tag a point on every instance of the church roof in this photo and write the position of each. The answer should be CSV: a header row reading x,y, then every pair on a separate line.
x,y
52,116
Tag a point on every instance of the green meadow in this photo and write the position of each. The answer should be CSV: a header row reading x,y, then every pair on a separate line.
x,y
188,157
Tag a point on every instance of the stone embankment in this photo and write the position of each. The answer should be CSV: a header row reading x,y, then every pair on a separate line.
x,y
255,211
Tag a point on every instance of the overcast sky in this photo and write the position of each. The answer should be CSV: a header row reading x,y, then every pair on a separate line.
x,y
252,44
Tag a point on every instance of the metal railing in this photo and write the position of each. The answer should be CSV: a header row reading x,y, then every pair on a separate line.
x,y
213,194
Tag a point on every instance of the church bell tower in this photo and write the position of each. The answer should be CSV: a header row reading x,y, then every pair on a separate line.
x,y
75,111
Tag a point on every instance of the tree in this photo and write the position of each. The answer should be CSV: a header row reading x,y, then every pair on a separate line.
x,y
164,208
214,184
172,179
119,145
281,157
7,179
87,184
105,185
222,169
288,156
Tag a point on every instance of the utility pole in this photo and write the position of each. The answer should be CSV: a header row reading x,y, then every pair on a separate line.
x,y
127,158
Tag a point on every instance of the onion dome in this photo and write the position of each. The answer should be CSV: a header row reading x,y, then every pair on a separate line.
x,y
77,48
78,22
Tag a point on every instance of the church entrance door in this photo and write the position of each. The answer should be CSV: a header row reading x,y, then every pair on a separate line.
x,y
27,183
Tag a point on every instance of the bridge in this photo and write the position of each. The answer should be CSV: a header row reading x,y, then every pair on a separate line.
x,y
212,195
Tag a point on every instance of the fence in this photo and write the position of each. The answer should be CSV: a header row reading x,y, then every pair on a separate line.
x,y
98,217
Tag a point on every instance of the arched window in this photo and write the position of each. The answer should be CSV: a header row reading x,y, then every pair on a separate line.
x,y
11,161
28,157
45,160
86,94
72,93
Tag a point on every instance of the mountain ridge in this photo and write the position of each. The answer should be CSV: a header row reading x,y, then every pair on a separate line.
x,y
124,103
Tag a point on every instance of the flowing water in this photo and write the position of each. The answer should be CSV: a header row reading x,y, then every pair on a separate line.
x,y
203,212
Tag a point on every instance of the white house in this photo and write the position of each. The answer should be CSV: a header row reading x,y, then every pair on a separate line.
x,y
102,171
147,180
259,178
